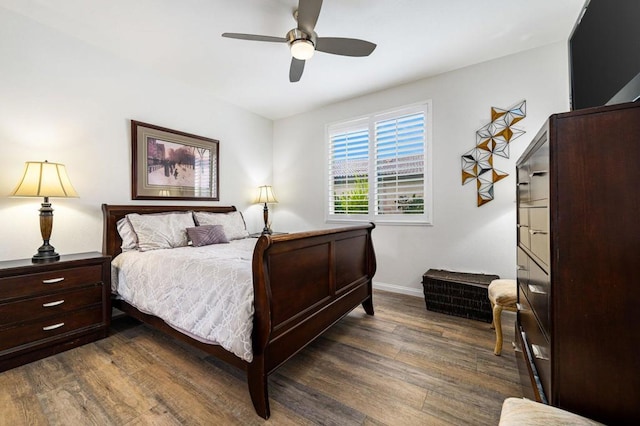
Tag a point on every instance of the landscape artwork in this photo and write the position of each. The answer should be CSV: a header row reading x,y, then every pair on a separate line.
x,y
169,164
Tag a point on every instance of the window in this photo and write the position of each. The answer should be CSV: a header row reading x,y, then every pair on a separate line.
x,y
378,167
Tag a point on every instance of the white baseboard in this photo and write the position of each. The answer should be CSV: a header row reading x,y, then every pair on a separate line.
x,y
398,289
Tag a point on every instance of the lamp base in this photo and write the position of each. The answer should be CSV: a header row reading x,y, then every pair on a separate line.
x,y
46,253
265,215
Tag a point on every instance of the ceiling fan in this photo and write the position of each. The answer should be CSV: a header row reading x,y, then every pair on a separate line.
x,y
303,40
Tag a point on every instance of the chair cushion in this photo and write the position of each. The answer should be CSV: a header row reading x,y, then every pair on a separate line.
x,y
503,292
524,412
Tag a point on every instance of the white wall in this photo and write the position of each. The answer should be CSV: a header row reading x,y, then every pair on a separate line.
x,y
463,237
65,101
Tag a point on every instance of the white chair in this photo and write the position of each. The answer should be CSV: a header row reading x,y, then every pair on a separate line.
x,y
503,295
524,412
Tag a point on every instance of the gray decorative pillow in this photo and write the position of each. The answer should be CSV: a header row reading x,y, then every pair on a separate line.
x,y
161,231
206,235
128,235
233,223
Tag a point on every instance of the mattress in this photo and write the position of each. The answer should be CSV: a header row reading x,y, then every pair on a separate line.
x,y
205,292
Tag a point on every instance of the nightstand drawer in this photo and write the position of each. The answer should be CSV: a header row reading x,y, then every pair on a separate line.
x,y
49,327
48,282
49,305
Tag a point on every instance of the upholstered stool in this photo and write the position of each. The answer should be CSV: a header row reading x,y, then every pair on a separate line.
x,y
524,412
503,294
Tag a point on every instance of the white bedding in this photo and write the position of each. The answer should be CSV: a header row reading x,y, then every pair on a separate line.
x,y
205,292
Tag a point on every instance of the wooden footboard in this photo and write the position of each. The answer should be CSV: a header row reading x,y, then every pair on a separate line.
x,y
303,283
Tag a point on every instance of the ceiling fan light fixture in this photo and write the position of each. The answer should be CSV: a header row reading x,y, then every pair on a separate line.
x,y
302,49
304,41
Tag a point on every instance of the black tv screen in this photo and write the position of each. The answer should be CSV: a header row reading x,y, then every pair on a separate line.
x,y
604,54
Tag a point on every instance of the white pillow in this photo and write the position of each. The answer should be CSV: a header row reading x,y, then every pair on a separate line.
x,y
161,231
233,223
127,234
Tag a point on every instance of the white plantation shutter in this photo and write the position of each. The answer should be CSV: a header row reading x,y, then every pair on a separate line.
x,y
379,167
399,164
349,169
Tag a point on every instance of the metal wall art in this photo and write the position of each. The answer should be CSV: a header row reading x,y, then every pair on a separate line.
x,y
492,139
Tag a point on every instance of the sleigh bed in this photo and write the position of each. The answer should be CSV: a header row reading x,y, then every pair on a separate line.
x,y
302,284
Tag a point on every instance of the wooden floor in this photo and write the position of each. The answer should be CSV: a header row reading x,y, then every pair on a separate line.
x,y
404,366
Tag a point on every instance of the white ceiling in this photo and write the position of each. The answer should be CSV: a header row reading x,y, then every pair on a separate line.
x,y
415,38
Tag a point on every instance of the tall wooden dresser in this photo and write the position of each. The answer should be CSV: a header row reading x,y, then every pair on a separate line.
x,y
578,254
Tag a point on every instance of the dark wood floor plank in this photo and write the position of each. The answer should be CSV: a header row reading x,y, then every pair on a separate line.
x,y
403,366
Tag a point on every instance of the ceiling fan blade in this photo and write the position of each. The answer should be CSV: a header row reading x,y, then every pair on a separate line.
x,y
308,12
254,37
345,46
295,72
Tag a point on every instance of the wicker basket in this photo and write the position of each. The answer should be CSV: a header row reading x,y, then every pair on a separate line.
x,y
458,293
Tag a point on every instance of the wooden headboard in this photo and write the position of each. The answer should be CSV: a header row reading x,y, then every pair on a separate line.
x,y
111,214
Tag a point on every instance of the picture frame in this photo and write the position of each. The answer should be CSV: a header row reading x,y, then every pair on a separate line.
x,y
169,164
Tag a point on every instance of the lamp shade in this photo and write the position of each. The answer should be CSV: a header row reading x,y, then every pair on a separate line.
x,y
44,179
265,195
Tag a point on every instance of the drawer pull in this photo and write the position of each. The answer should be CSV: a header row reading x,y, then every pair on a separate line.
x,y
52,327
522,226
537,231
536,289
523,183
53,280
50,304
521,268
520,308
538,173
539,352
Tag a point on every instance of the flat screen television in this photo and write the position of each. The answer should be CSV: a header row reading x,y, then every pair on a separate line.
x,y
604,54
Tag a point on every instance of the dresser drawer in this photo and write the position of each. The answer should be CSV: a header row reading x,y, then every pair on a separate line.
x,y
539,295
49,327
539,186
49,305
538,344
538,166
524,238
523,269
541,353
539,232
529,379
523,184
48,282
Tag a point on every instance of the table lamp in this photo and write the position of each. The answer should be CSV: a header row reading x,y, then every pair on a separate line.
x,y
44,179
265,195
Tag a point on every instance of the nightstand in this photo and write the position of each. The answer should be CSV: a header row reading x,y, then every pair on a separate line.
x,y
46,308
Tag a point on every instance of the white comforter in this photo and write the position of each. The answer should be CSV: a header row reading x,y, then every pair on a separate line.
x,y
206,292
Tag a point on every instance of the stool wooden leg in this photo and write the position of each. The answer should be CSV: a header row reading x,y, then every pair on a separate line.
x,y
497,312
493,320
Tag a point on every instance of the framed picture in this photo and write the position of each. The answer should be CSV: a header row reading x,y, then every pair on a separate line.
x,y
171,165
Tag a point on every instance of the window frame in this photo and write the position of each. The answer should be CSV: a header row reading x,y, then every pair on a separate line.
x,y
370,120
